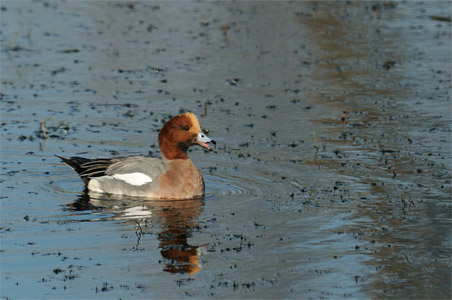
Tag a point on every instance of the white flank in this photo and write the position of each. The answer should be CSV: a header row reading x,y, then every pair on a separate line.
x,y
94,185
133,178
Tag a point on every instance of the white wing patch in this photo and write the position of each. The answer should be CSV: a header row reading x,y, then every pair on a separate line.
x,y
135,178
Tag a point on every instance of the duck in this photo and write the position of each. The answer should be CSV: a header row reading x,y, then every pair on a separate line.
x,y
173,176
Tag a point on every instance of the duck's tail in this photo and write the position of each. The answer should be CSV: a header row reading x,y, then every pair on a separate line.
x,y
87,168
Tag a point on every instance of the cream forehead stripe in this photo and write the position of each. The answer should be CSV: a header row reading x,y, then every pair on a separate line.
x,y
194,121
135,178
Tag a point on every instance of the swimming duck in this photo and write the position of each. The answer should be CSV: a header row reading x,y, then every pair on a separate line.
x,y
174,176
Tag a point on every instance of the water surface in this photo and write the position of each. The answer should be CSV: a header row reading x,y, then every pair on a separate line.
x,y
332,172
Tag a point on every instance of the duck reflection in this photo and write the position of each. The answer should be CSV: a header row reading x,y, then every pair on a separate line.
x,y
180,219
176,218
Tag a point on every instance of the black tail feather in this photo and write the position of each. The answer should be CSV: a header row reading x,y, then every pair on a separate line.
x,y
87,168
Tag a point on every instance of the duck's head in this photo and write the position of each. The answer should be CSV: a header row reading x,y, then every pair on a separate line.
x,y
180,133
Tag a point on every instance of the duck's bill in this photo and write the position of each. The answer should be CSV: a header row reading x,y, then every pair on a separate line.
x,y
204,141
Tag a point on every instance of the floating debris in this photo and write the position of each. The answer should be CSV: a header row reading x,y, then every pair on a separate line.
x,y
441,19
43,128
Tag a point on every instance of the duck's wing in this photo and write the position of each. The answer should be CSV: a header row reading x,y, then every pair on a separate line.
x,y
123,168
149,166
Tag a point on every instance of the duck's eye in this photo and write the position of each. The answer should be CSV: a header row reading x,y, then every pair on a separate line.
x,y
186,128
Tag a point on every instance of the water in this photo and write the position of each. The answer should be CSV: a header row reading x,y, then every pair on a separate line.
x,y
299,202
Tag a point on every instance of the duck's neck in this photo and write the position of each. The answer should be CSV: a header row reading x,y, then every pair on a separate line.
x,y
172,151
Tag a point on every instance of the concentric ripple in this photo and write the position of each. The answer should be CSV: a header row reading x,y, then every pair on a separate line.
x,y
218,186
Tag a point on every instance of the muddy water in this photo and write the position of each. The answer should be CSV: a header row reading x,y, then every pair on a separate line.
x,y
332,172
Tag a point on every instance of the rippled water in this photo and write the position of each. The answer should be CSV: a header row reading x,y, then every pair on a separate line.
x,y
332,172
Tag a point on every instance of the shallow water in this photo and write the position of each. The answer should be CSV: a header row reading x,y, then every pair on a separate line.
x,y
299,202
